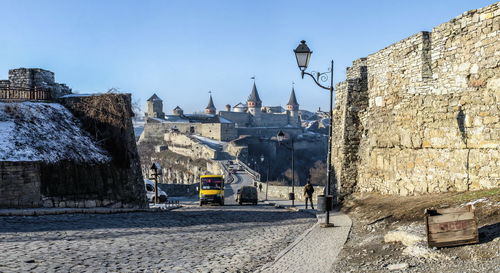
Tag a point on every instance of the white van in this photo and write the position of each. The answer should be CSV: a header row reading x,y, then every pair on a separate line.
x,y
150,192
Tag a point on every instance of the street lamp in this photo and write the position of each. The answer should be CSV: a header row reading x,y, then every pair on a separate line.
x,y
267,178
281,137
303,55
156,169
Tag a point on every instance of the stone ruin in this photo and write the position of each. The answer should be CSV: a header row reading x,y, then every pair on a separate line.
x,y
31,84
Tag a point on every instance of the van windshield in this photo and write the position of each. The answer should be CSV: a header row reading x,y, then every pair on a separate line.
x,y
211,183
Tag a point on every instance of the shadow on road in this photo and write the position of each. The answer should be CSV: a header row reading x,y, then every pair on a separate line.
x,y
209,217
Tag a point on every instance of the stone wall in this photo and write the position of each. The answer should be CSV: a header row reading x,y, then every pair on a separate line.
x,y
28,78
19,184
281,192
422,115
188,146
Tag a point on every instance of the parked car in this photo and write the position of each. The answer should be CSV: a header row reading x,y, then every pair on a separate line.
x,y
150,192
247,194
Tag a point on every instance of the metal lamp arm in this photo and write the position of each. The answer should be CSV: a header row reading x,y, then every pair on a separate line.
x,y
319,84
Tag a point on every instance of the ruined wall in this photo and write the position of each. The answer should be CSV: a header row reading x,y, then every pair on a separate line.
x,y
108,118
428,118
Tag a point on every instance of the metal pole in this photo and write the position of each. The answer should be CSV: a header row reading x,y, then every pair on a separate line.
x,y
329,159
267,178
293,174
156,185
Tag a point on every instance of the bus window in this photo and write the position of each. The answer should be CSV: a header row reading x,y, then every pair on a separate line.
x,y
211,183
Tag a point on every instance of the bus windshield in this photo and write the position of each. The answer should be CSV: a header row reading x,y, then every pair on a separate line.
x,y
211,183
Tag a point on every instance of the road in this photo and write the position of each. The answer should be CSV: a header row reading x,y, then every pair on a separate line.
x,y
190,239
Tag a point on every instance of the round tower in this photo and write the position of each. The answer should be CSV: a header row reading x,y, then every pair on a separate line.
x,y
254,103
210,109
228,107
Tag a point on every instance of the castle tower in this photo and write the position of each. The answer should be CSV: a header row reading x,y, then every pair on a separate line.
x,y
155,107
210,109
228,107
254,103
292,108
178,111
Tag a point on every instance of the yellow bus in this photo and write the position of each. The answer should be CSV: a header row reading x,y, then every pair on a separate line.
x,y
211,189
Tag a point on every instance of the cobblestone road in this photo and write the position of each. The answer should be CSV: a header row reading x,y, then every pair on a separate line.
x,y
208,239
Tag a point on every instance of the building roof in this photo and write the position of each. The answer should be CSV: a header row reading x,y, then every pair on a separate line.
x,y
154,97
254,95
177,108
293,99
210,103
240,105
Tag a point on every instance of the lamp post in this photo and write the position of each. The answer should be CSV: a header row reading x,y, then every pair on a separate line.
x,y
267,178
156,169
281,137
303,55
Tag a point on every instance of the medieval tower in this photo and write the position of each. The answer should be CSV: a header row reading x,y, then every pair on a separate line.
x,y
292,108
210,109
155,107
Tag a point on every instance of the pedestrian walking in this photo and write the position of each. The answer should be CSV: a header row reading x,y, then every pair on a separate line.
x,y
308,193
260,187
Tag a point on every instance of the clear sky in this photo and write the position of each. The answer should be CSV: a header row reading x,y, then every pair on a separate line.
x,y
182,49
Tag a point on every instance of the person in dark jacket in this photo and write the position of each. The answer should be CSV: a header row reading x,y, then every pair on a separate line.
x,y
308,193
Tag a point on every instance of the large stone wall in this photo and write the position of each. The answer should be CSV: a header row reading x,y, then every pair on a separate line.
x,y
422,115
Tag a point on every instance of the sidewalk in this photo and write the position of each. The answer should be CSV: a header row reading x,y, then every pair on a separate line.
x,y
316,249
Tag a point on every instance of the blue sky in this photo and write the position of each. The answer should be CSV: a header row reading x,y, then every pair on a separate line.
x,y
183,49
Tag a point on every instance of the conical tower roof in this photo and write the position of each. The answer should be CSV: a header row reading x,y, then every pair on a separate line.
x,y
254,95
293,99
210,103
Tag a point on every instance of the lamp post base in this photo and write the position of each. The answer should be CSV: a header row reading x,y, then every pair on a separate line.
x,y
325,225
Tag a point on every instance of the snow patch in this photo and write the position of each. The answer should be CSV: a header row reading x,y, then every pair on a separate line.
x,y
45,132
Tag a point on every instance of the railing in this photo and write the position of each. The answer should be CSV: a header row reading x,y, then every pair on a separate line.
x,y
24,94
249,170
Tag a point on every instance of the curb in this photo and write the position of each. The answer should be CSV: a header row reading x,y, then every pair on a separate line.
x,y
56,211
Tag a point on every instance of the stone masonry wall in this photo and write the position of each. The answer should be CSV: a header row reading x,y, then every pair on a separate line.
x,y
427,119
19,184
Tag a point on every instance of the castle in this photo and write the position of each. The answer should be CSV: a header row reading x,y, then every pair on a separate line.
x,y
250,119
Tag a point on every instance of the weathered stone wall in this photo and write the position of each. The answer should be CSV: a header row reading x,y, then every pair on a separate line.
x,y
189,146
425,116
19,184
281,192
35,77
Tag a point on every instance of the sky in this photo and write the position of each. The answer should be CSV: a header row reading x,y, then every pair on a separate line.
x,y
181,50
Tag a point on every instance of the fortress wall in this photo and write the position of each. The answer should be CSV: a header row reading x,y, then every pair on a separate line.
x,y
188,146
241,119
428,119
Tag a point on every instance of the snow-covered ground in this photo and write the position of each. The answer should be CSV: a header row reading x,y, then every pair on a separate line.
x,y
45,132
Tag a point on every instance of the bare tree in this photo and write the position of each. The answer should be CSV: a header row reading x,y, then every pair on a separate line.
x,y
317,173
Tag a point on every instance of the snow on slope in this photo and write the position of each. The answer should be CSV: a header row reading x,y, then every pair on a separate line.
x,y
45,132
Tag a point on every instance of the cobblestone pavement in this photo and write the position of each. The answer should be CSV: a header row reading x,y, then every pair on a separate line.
x,y
207,239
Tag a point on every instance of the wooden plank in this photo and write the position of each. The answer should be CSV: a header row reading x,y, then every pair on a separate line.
x,y
451,217
454,210
468,234
452,243
451,226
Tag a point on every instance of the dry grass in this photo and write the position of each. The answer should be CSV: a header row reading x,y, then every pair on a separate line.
x,y
373,206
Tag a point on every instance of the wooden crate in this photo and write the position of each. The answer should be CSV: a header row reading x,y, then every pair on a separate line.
x,y
451,227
